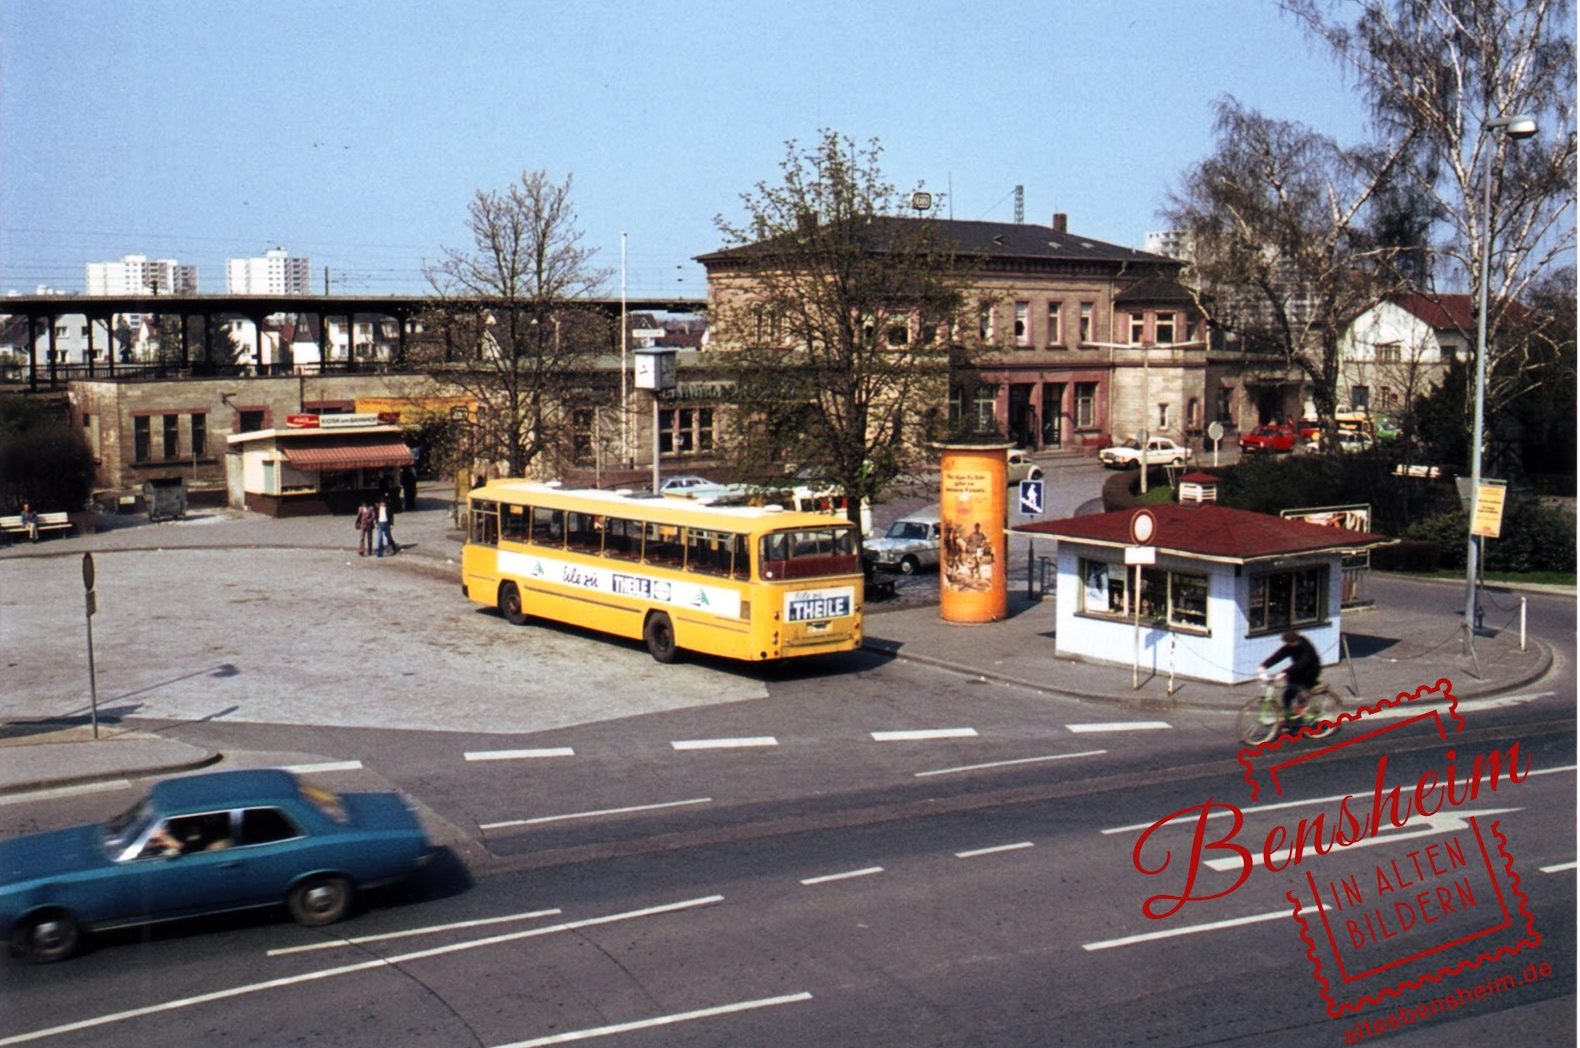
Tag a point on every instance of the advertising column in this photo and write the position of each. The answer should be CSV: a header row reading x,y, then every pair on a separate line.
x,y
973,565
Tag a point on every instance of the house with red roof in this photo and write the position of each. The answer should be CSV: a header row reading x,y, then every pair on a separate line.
x,y
1220,587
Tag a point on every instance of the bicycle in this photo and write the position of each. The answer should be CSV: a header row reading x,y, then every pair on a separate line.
x,y
1263,718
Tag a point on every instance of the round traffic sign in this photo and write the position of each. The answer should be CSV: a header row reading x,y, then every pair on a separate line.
x,y
1215,430
1142,527
87,571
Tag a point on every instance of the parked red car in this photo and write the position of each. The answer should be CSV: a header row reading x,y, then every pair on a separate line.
x,y
1269,438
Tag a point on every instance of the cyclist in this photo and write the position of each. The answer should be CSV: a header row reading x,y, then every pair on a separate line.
x,y
1305,667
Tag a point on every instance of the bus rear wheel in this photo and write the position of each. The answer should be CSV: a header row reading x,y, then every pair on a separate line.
x,y
510,605
659,633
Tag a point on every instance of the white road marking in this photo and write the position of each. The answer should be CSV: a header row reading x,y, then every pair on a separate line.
x,y
662,1020
1560,868
1080,729
993,850
65,791
592,814
869,871
1009,763
432,929
319,769
724,744
1170,933
924,733
1491,702
1435,825
519,755
1225,813
348,969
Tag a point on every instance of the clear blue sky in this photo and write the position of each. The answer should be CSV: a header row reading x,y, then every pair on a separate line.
x,y
356,132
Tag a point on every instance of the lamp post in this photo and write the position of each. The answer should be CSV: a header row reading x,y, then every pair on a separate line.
x,y
1516,127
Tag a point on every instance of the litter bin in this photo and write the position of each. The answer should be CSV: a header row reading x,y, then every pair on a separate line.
x,y
165,498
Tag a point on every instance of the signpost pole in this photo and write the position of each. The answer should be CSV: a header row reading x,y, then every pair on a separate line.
x,y
91,604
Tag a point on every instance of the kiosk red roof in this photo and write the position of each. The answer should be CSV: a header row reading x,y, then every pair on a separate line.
x,y
348,453
1211,531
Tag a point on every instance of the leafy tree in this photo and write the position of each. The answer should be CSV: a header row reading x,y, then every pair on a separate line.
x,y
512,337
838,313
1282,254
44,460
1436,72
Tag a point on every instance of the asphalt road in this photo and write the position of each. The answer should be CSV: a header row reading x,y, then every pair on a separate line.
x,y
863,852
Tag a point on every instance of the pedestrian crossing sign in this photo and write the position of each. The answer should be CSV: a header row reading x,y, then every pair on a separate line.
x,y
1031,498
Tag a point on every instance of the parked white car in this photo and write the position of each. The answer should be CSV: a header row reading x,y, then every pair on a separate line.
x,y
911,544
691,486
1161,451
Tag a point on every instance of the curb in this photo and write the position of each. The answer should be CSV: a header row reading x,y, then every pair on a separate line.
x,y
894,649
208,759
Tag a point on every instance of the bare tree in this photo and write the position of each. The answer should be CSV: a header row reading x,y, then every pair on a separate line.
x,y
511,335
839,312
1282,255
1436,73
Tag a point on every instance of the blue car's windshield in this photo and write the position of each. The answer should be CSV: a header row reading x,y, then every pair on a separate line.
x,y
127,826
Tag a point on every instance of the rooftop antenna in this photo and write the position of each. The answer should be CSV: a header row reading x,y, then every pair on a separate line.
x,y
1020,205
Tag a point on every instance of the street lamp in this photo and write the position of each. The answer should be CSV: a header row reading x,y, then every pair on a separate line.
x,y
1516,127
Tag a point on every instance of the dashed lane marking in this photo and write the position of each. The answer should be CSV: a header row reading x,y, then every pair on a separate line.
x,y
320,769
1008,763
519,755
973,853
592,814
432,929
865,872
661,1020
1086,729
919,735
1131,940
1560,868
724,744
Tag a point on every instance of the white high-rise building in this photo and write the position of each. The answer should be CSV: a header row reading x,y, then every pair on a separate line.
x,y
138,275
276,273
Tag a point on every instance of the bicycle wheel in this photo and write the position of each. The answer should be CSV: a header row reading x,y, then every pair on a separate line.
x,y
1259,721
1322,713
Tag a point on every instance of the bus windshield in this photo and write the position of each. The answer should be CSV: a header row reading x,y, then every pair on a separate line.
x,y
802,553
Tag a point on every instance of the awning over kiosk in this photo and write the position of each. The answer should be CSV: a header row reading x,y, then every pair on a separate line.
x,y
348,453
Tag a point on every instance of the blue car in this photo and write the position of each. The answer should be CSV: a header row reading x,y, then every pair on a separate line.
x,y
204,844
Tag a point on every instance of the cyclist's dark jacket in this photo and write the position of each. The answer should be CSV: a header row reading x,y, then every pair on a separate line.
x,y
1305,665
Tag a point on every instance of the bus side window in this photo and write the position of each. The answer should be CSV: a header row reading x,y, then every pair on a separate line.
x,y
622,538
707,552
743,557
583,532
513,525
548,526
663,546
485,523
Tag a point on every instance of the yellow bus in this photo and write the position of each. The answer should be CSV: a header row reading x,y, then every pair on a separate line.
x,y
744,582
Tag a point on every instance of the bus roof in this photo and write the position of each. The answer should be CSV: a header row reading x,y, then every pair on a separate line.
x,y
652,507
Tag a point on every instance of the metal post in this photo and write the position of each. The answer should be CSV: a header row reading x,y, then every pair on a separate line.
x,y
1515,127
655,441
1173,645
1135,614
1522,623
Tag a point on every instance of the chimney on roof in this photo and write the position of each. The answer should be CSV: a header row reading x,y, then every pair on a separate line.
x,y
1061,222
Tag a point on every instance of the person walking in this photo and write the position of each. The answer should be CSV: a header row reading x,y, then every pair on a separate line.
x,y
365,523
383,518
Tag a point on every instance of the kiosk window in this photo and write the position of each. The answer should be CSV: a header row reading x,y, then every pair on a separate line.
x,y
1279,600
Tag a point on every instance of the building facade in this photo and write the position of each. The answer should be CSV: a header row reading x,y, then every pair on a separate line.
x,y
140,275
275,273
1088,342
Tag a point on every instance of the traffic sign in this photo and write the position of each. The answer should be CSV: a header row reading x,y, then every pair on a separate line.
x,y
1142,526
1031,502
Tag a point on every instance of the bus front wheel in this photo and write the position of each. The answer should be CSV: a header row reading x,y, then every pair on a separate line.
x,y
659,634
510,605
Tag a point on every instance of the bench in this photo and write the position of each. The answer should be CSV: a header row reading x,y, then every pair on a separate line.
x,y
47,522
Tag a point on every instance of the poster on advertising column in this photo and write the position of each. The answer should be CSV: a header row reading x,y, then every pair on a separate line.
x,y
971,504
